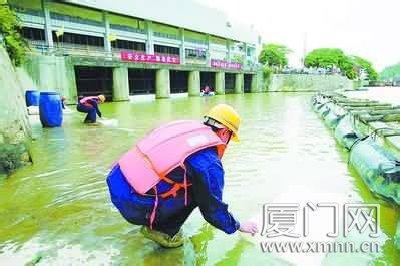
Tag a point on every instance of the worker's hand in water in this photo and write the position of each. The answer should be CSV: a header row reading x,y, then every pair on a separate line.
x,y
248,227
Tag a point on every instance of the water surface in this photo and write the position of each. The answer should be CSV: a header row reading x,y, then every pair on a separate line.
x,y
58,210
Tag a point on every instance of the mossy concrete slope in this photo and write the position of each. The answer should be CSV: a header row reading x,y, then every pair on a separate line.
x,y
51,73
14,126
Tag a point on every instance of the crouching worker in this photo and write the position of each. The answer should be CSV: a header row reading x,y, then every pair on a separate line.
x,y
173,170
90,105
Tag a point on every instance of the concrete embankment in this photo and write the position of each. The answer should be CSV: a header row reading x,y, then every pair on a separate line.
x,y
370,131
301,82
14,126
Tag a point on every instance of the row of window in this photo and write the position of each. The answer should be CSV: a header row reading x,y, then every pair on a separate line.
x,y
87,40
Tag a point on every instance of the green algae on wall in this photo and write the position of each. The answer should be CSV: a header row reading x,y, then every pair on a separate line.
x,y
74,11
26,4
163,28
14,126
217,40
126,21
195,35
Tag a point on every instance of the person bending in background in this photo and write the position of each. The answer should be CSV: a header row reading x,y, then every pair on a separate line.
x,y
63,99
90,105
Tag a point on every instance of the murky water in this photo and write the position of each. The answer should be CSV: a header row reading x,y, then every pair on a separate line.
x,y
58,210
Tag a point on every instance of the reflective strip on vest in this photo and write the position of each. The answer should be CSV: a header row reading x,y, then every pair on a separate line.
x,y
164,149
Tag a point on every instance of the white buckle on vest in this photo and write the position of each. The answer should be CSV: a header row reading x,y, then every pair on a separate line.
x,y
197,140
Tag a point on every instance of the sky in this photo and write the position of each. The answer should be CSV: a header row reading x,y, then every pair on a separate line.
x,y
367,28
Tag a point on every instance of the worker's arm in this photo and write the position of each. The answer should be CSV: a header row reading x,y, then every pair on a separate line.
x,y
95,106
207,177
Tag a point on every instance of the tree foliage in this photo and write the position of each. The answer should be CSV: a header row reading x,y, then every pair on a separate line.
x,y
367,66
267,72
9,28
390,72
274,55
325,57
334,57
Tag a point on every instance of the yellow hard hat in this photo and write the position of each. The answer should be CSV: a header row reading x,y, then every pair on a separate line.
x,y
227,116
102,98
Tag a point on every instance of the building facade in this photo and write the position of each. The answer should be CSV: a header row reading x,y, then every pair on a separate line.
x,y
121,48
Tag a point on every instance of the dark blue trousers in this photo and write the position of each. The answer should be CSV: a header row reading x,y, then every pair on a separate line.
x,y
91,112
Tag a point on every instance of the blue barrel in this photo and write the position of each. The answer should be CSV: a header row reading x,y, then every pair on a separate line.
x,y
50,109
32,98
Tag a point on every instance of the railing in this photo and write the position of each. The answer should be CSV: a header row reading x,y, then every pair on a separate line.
x,y
195,41
65,49
196,61
78,20
166,35
126,28
165,54
31,17
28,11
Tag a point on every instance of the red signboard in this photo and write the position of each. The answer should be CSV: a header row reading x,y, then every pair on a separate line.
x,y
149,58
224,64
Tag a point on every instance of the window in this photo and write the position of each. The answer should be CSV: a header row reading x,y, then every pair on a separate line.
x,y
80,39
33,34
128,45
196,53
161,49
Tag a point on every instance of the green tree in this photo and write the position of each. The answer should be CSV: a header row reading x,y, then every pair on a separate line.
x,y
274,55
267,72
367,66
390,72
9,28
325,57
332,57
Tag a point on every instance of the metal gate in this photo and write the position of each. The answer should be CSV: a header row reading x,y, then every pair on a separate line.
x,y
207,79
142,81
93,81
247,82
178,81
230,83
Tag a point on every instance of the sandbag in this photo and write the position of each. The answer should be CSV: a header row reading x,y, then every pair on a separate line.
x,y
345,133
379,168
332,119
324,110
397,236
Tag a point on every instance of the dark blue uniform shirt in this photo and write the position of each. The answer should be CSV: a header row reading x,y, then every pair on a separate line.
x,y
204,172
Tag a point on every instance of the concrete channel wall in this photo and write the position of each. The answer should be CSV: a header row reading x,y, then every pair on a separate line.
x,y
14,127
299,82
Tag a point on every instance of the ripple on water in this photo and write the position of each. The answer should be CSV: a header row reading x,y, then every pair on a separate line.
x,y
60,206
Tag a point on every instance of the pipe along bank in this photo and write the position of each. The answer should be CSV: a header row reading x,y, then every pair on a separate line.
x,y
370,131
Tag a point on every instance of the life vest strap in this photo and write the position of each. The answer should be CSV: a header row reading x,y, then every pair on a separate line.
x,y
153,212
173,191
